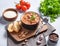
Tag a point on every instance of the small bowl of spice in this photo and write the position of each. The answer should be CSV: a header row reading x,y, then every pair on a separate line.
x,y
53,38
10,14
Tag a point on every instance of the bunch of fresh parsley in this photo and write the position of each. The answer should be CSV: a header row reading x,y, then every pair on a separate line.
x,y
50,8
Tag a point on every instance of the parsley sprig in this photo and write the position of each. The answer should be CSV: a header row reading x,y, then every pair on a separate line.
x,y
33,17
50,8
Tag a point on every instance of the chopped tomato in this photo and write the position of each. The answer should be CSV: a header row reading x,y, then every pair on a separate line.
x,y
18,6
28,5
22,2
24,8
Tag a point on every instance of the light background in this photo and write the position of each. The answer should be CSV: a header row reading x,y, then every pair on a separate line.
x,y
4,4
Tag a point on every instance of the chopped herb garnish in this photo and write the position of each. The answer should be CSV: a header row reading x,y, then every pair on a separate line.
x,y
32,17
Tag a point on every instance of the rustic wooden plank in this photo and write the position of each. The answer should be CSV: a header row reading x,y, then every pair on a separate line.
x,y
30,33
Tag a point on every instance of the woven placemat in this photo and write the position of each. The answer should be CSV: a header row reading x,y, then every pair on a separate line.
x,y
31,41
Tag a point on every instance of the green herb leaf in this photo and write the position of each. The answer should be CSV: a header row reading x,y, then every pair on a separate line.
x,y
50,8
32,17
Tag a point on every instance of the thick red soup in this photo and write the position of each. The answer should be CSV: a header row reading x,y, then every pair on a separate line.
x,y
30,18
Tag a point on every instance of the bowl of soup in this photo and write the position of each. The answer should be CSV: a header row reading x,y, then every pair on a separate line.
x,y
30,20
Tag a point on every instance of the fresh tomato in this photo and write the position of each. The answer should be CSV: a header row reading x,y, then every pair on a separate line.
x,y
18,6
22,2
24,8
27,4
23,5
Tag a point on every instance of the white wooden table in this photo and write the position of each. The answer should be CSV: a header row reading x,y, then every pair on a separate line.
x,y
4,4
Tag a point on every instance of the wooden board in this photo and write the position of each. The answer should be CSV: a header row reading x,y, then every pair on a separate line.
x,y
24,33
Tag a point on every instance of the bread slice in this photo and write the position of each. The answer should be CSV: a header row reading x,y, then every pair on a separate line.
x,y
10,27
14,27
